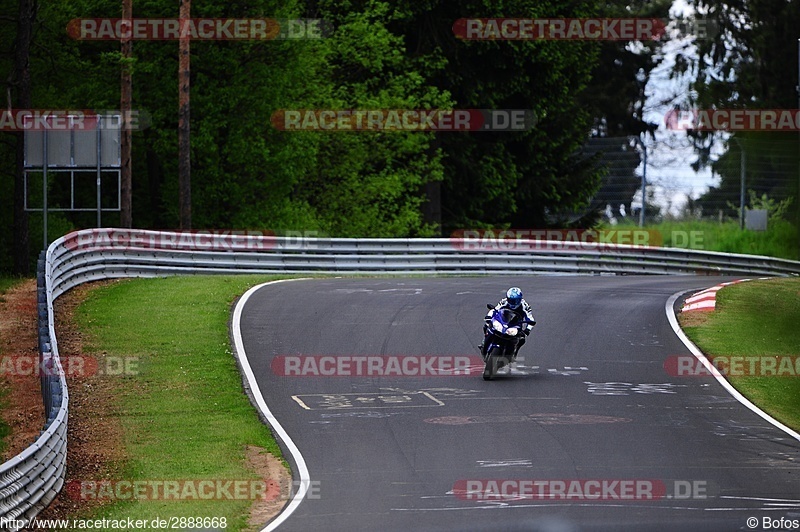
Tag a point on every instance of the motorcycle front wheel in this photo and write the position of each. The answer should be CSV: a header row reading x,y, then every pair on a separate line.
x,y
494,361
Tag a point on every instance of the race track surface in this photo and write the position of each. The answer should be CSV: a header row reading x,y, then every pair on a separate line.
x,y
591,401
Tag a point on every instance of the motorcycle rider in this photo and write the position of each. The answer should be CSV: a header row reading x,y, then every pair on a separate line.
x,y
514,302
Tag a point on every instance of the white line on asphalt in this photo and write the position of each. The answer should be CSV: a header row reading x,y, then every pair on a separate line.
x,y
673,321
302,470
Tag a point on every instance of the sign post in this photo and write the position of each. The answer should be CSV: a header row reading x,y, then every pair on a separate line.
x,y
68,145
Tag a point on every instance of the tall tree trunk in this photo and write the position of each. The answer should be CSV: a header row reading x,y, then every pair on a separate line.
x,y
432,206
155,179
126,203
22,79
184,145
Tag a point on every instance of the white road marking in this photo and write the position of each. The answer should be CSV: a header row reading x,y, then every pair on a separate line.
x,y
567,371
442,392
415,290
488,505
627,388
300,402
673,321
352,290
339,401
514,462
241,355
788,501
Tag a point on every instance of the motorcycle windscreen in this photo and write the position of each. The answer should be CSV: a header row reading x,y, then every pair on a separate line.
x,y
508,316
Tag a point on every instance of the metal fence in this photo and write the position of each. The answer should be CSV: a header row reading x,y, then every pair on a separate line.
x,y
30,481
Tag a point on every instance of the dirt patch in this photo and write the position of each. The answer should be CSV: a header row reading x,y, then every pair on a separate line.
x,y
693,318
279,486
95,450
24,410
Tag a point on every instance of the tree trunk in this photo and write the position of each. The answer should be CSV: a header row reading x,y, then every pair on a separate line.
x,y
22,78
155,179
432,206
126,203
184,145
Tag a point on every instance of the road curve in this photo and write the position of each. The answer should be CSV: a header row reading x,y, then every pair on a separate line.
x,y
590,405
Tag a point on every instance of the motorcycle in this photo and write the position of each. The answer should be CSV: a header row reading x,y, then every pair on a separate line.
x,y
501,342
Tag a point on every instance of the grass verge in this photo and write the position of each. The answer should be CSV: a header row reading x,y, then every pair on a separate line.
x,y
779,240
756,319
7,282
182,409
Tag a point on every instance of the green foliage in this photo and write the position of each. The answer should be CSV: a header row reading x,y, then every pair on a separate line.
x,y
514,178
750,64
776,210
6,283
370,183
779,240
381,55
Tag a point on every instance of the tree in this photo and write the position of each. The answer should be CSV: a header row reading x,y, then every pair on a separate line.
x,y
381,55
372,183
616,97
184,126
745,66
126,87
506,178
20,83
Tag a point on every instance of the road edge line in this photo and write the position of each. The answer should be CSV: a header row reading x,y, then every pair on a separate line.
x,y
676,328
268,416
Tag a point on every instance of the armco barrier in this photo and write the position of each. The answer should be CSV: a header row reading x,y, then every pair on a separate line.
x,y
30,481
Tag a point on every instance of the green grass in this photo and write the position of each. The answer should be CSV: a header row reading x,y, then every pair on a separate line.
x,y
754,319
184,415
8,282
779,240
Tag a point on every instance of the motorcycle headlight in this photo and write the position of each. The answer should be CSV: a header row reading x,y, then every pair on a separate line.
x,y
497,326
512,331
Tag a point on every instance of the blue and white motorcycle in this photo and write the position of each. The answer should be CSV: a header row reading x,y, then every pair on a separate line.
x,y
500,344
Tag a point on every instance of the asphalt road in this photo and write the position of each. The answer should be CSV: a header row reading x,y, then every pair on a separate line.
x,y
591,401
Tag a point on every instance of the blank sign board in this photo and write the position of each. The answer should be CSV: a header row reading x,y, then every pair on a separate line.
x,y
755,219
75,145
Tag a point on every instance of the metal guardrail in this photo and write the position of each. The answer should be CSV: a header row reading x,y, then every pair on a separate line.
x,y
30,481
